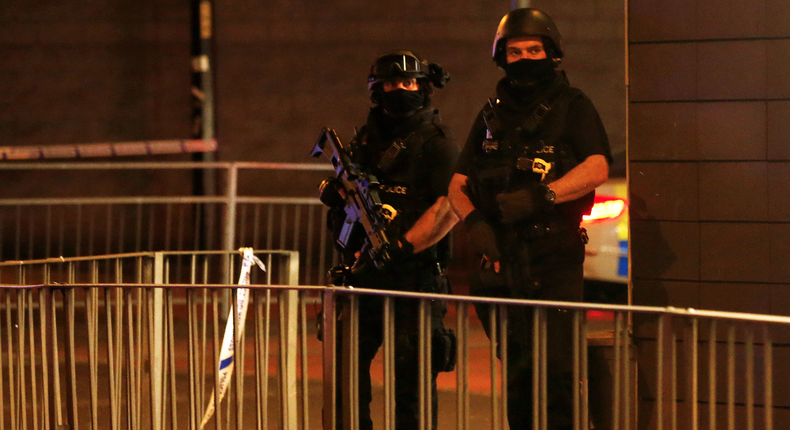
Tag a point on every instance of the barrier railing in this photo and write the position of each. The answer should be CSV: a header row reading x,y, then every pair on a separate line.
x,y
678,383
86,219
110,342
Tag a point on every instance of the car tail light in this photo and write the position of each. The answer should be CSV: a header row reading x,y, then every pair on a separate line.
x,y
600,315
605,208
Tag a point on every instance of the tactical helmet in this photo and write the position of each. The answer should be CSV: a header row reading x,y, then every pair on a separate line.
x,y
527,22
405,64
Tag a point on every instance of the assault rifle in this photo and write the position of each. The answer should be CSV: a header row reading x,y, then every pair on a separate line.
x,y
363,205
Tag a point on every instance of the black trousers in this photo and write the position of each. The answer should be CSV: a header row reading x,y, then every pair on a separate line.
x,y
547,268
406,316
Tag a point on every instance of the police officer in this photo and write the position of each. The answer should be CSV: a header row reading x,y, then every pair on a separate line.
x,y
406,146
525,177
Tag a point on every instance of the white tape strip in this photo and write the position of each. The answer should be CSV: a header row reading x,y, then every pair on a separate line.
x,y
225,367
112,149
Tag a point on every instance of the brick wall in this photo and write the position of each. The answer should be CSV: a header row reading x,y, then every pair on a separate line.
x,y
285,70
120,71
93,71
709,164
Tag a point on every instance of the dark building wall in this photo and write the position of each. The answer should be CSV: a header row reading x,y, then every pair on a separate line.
x,y
709,163
101,71
95,71
286,69
90,72
120,71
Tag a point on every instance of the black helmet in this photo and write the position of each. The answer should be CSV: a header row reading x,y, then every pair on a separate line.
x,y
527,22
405,64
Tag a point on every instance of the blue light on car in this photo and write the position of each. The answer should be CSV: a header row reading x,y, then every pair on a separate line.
x,y
622,266
622,262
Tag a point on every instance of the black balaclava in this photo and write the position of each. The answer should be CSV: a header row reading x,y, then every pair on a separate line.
x,y
530,73
400,103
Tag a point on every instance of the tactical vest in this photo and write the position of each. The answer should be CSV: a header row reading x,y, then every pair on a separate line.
x,y
400,169
522,149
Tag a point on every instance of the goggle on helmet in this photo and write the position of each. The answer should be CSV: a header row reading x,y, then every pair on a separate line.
x,y
405,64
397,64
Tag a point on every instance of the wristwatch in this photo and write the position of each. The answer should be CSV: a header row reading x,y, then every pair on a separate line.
x,y
548,194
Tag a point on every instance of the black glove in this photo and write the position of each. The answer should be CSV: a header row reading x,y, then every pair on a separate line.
x,y
364,262
520,204
481,235
329,193
401,250
339,275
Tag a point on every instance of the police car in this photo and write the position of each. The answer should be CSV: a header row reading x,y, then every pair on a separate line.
x,y
607,227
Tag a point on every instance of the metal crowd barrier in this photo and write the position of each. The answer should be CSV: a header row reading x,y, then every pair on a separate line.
x,y
112,342
679,384
84,219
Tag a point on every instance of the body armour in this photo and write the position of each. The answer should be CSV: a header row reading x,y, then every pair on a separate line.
x,y
525,145
396,152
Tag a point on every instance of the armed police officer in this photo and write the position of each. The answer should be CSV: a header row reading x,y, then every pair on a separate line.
x,y
408,149
525,178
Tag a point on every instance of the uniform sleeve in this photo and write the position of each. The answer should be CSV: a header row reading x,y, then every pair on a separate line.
x,y
586,131
473,141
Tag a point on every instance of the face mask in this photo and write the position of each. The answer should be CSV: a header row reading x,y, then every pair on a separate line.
x,y
401,102
529,72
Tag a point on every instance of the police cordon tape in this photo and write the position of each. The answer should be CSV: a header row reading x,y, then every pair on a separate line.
x,y
112,149
226,359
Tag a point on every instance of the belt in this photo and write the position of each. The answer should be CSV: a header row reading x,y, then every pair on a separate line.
x,y
419,264
533,230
